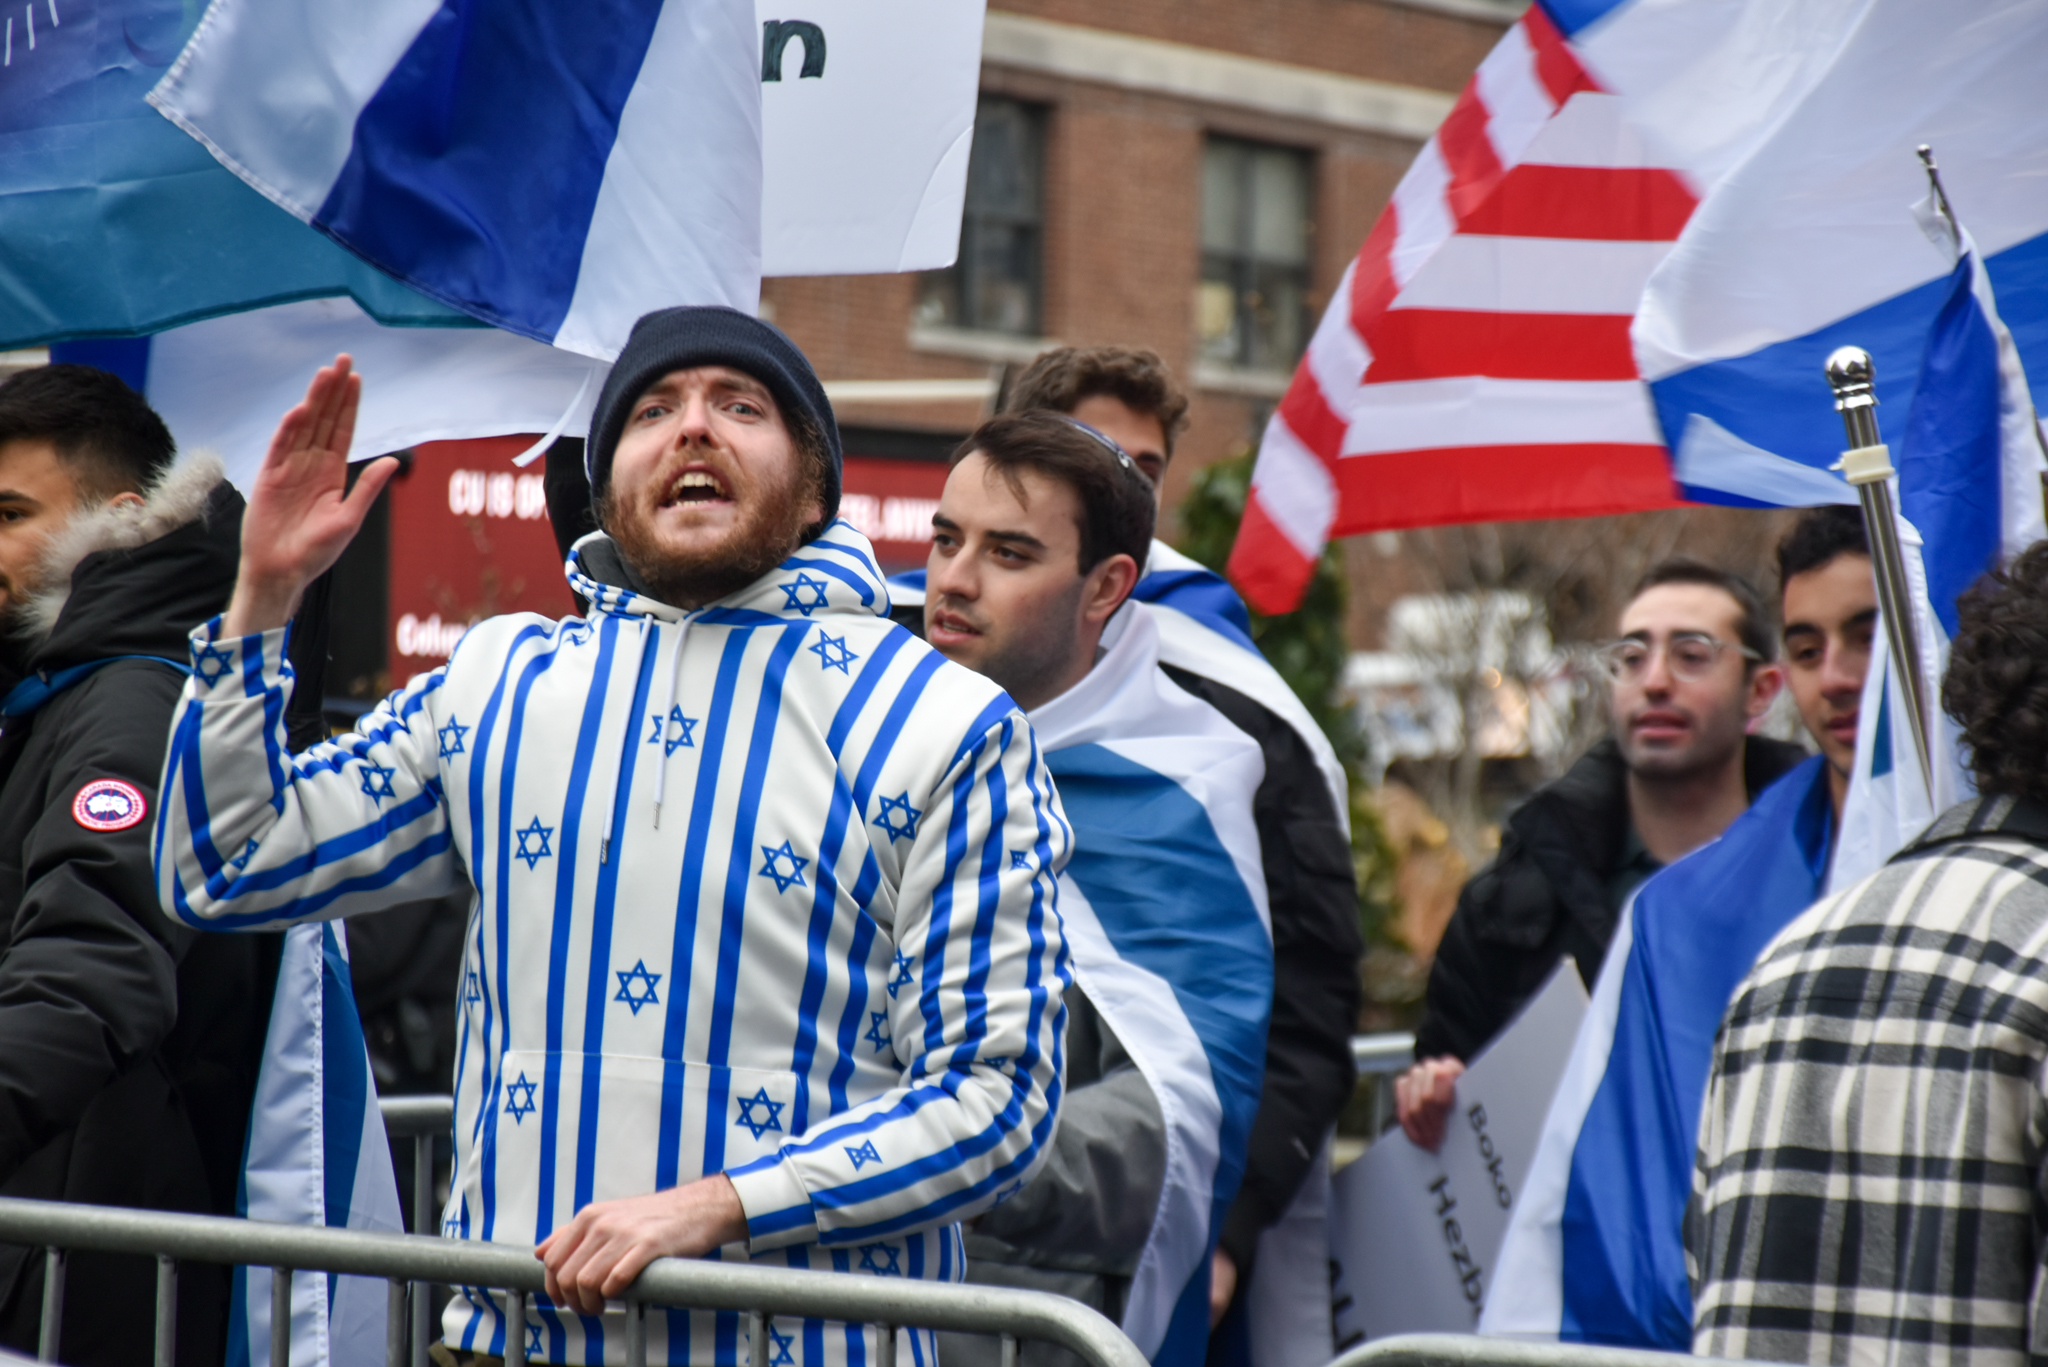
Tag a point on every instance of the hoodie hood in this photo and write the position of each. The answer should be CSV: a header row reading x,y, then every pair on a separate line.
x,y
135,579
831,576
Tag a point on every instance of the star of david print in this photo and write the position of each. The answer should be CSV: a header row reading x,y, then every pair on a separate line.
x,y
782,1343
213,663
636,988
898,818
474,991
1020,859
832,653
241,861
903,974
683,734
533,1343
773,868
863,1155
769,1119
519,1099
879,1259
451,737
878,1030
533,843
804,594
377,782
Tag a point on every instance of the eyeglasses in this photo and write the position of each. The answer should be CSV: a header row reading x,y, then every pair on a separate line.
x,y
1689,654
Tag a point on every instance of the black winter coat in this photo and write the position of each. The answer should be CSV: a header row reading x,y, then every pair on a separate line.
x,y
128,1044
1548,893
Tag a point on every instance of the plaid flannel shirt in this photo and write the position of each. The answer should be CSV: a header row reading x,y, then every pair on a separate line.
x,y
1870,1185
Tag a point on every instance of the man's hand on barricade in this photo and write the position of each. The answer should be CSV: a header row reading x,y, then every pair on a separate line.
x,y
301,513
1423,1097
596,1256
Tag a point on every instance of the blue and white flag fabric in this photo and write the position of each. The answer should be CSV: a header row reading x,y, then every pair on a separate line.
x,y
1205,629
556,171
1969,497
1164,902
1594,1251
316,1155
115,222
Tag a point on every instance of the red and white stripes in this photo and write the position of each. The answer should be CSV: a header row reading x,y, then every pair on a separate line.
x,y
1474,363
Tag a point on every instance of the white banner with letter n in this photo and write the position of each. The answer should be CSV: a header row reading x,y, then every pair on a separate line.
x,y
1413,1234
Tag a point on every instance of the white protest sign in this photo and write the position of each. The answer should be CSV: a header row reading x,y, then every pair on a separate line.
x,y
1414,1234
867,116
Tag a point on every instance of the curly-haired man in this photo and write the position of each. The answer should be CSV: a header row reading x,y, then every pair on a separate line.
x,y
1871,1169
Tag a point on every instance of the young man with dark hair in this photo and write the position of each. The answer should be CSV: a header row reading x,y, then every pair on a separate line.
x,y
1303,813
1691,668
1871,1170
128,1045
766,958
1035,547
1595,1250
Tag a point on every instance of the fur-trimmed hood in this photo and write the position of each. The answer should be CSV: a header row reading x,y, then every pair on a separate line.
x,y
134,578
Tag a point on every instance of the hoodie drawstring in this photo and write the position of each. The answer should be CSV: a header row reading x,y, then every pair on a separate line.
x,y
668,707
671,671
611,801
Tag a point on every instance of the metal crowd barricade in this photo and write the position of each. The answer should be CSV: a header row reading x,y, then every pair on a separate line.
x,y
422,1119
763,1294
1470,1350
1381,1059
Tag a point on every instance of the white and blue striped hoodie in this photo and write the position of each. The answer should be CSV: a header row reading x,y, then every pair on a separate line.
x,y
767,888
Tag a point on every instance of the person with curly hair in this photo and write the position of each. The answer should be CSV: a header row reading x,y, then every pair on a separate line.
x,y
1871,1169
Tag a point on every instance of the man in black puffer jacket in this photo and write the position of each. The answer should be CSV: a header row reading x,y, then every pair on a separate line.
x,y
128,1044
1693,666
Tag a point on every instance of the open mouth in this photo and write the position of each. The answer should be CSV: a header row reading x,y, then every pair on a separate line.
x,y
946,624
696,487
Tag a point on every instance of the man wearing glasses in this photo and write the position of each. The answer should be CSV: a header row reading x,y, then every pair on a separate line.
x,y
1692,667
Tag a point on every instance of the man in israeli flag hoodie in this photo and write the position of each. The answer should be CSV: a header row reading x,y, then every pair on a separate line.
x,y
765,958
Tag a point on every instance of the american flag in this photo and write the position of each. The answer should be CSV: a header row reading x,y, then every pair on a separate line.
x,y
1474,363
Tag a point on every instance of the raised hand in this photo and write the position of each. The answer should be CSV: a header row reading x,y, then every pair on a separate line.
x,y
301,513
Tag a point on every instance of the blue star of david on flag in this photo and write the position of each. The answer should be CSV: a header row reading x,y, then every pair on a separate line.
x,y
863,1155
684,736
769,1119
903,973
804,594
898,818
832,653
377,781
241,861
773,868
1020,859
783,1343
451,737
213,663
878,1030
474,991
533,1343
879,1259
636,988
519,1099
533,843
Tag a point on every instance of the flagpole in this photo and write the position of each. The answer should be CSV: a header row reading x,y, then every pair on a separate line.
x,y
1867,464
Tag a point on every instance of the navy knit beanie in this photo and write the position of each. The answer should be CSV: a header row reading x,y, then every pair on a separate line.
x,y
678,338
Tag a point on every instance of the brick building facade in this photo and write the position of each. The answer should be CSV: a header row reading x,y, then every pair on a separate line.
x,y
1146,148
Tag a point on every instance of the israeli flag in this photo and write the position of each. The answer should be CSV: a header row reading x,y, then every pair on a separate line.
x,y
316,1155
1164,905
1969,497
555,170
1594,1251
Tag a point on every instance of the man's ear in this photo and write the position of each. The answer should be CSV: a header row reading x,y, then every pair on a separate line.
x,y
1764,682
127,498
1108,585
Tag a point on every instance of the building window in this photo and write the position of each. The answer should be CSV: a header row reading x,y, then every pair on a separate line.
x,y
1252,307
995,284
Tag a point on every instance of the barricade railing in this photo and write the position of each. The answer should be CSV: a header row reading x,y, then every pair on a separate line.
x,y
1470,1350
1380,1059
408,1261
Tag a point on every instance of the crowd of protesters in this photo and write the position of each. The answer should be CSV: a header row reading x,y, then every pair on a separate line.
x,y
1013,939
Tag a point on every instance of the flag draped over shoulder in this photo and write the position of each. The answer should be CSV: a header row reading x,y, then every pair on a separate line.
x,y
1164,904
1594,1251
316,1155
1700,195
495,157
